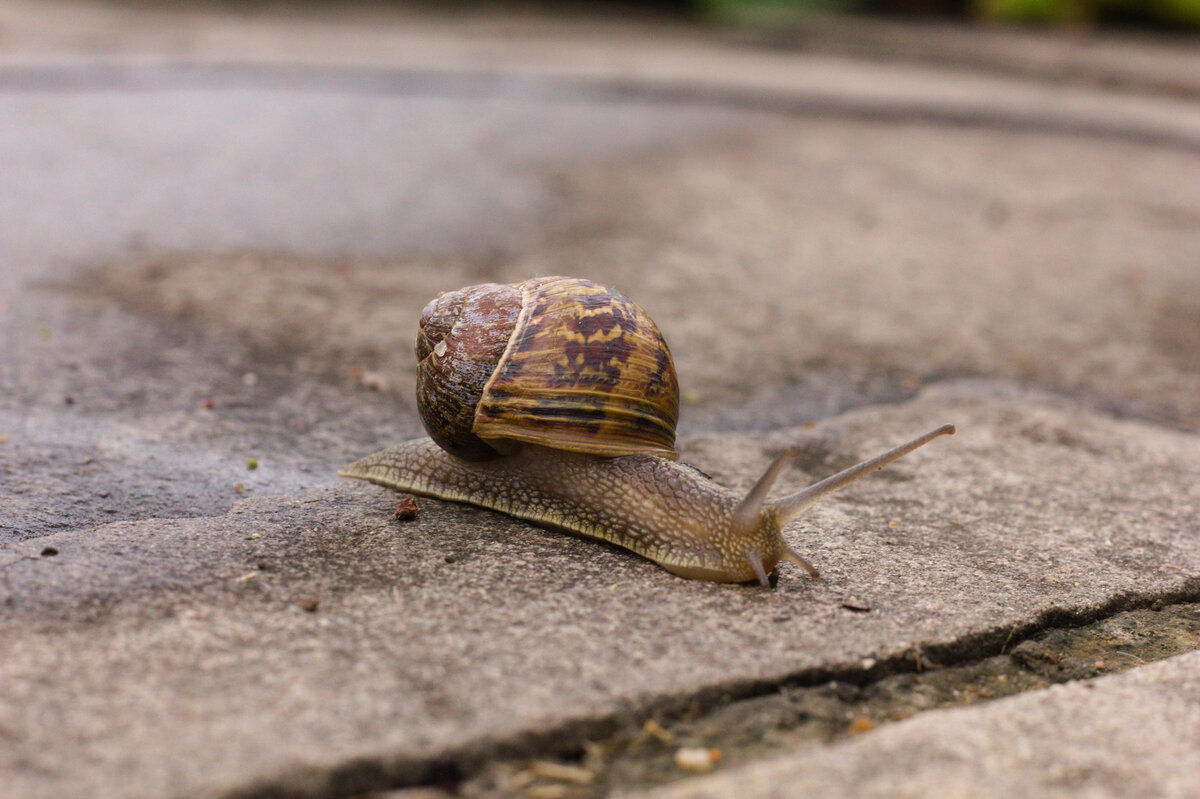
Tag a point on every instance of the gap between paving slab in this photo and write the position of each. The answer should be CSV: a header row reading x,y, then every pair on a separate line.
x,y
190,639
1134,734
793,718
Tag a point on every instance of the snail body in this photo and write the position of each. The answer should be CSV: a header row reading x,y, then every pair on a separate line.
x,y
562,411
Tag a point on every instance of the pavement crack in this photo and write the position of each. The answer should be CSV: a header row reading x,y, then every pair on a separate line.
x,y
741,721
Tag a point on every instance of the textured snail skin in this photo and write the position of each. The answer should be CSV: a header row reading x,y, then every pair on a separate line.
x,y
659,508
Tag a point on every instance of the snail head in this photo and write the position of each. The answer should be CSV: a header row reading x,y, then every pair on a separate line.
x,y
757,517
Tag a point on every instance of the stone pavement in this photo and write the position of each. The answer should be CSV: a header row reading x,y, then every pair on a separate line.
x,y
1131,735
216,261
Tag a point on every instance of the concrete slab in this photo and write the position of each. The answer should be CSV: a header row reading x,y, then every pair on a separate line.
x,y
1130,735
440,640
204,268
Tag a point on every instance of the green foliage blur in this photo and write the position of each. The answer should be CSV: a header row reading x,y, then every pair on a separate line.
x,y
1164,13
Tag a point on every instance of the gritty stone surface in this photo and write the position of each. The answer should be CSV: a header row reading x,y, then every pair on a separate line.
x,y
198,273
184,635
1130,735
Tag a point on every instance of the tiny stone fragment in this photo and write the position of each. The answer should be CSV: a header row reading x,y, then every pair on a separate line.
x,y
49,552
407,510
374,381
652,729
308,603
697,760
861,725
562,772
856,607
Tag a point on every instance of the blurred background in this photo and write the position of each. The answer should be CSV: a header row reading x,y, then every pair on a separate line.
x,y
221,220
219,223
1164,13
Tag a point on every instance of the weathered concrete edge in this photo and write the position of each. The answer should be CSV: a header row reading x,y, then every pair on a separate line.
x,y
1099,737
374,771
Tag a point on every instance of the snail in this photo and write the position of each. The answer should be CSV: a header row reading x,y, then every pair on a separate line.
x,y
555,401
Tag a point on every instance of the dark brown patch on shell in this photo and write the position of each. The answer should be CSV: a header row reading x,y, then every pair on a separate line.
x,y
460,339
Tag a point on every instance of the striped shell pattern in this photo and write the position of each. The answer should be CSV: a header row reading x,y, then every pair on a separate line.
x,y
559,362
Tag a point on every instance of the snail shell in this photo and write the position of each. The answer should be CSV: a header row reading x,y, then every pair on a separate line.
x,y
559,362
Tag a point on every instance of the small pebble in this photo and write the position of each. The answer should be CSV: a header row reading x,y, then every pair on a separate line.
x,y
697,759
653,729
862,725
308,604
562,772
49,552
208,405
374,381
249,379
239,488
254,536
407,510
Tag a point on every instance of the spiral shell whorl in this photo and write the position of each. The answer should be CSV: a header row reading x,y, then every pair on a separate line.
x,y
460,339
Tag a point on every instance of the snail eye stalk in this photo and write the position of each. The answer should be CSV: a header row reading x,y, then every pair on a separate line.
x,y
788,508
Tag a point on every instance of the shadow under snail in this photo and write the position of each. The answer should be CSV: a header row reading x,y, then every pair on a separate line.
x,y
555,401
